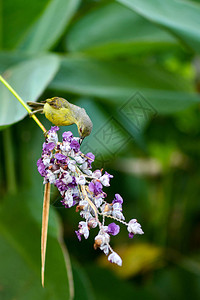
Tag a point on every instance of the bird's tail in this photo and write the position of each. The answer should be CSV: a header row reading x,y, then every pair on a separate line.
x,y
36,106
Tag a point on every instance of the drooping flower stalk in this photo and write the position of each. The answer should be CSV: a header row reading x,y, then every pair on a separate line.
x,y
64,165
45,218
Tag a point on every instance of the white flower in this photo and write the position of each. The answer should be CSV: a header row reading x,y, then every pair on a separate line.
x,y
105,228
84,168
67,178
79,159
65,147
68,198
46,160
51,177
75,192
84,229
105,180
85,209
52,137
106,209
85,214
92,222
115,258
134,227
84,203
98,201
96,174
80,180
105,248
117,211
71,165
104,237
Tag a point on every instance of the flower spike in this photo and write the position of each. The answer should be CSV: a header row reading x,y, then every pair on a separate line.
x,y
64,165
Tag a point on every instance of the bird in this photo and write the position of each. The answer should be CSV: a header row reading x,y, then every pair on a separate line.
x,y
61,112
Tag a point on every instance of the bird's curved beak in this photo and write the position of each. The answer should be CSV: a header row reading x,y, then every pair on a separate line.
x,y
81,140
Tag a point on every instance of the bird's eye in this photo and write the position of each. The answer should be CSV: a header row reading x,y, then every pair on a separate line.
x,y
81,130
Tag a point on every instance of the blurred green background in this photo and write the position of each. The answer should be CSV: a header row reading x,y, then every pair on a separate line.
x,y
135,67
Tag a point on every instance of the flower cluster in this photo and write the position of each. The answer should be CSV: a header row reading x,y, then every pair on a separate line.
x,y
65,166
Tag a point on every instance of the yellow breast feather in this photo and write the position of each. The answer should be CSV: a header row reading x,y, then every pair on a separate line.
x,y
59,117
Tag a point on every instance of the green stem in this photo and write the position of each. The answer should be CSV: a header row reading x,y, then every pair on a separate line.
x,y
9,162
22,102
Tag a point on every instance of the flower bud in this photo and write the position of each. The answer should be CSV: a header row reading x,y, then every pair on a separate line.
x,y
97,243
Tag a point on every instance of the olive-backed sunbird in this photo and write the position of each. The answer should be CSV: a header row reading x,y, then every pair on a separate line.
x,y
62,113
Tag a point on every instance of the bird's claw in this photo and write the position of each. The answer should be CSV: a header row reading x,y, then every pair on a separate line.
x,y
31,114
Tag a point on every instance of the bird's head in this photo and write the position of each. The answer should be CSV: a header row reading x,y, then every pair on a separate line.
x,y
84,125
56,102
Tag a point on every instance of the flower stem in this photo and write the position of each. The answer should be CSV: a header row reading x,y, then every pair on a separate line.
x,y
45,218
22,102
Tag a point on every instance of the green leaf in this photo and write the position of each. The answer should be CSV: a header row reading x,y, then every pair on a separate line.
x,y
29,79
8,59
83,288
16,16
119,82
172,280
179,17
116,30
20,253
115,288
49,27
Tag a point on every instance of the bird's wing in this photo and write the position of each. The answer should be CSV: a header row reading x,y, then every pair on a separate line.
x,y
57,103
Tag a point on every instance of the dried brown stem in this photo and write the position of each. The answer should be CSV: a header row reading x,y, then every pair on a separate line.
x,y
45,218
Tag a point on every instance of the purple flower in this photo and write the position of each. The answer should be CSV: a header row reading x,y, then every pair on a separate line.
x,y
90,159
95,187
109,175
41,167
48,146
75,146
92,186
91,156
131,235
63,182
72,184
61,186
117,199
113,229
78,235
67,136
61,158
98,187
54,129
